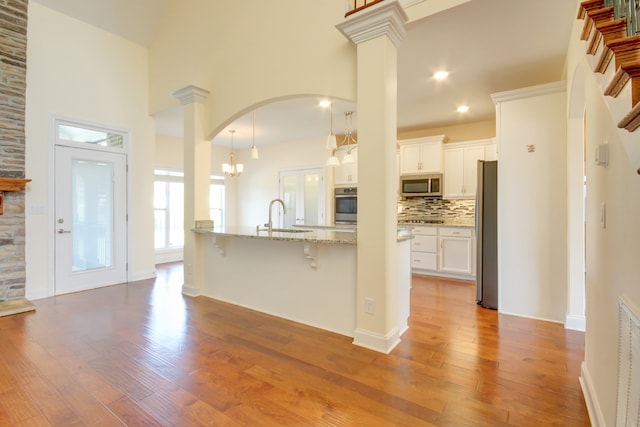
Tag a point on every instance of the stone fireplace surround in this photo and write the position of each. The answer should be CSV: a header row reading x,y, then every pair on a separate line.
x,y
13,67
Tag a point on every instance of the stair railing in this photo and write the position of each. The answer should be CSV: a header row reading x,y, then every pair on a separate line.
x,y
354,6
629,9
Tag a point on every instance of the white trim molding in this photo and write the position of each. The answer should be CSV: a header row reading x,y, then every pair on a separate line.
x,y
190,94
576,323
191,290
590,398
386,18
528,92
376,342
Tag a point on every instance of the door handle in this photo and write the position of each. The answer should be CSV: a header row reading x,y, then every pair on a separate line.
x,y
61,231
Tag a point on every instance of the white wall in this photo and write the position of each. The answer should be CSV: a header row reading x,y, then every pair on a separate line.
x,y
84,73
280,49
532,202
258,185
169,153
612,253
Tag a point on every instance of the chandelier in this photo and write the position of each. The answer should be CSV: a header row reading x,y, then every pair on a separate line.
x,y
232,168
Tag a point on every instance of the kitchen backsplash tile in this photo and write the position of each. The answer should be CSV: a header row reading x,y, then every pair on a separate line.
x,y
414,208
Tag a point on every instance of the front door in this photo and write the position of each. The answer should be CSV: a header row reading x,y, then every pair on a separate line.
x,y
90,229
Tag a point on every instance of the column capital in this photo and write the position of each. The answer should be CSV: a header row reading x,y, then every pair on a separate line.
x,y
386,18
190,94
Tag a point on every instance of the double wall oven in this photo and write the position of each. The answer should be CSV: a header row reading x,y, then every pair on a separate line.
x,y
346,205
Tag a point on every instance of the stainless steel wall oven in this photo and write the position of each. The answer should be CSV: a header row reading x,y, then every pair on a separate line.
x,y
346,205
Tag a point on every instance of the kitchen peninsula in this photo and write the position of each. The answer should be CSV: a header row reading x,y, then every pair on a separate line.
x,y
304,275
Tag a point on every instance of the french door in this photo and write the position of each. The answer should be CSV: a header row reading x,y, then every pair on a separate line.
x,y
304,196
90,216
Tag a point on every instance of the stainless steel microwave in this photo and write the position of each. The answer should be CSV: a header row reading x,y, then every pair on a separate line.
x,y
421,185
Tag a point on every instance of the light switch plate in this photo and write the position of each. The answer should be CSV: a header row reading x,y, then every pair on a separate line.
x,y
602,155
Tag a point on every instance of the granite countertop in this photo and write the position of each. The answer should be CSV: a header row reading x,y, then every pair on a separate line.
x,y
319,234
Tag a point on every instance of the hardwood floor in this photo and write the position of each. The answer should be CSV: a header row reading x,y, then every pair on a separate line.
x,y
142,354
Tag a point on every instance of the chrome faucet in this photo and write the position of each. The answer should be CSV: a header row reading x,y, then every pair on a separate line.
x,y
269,225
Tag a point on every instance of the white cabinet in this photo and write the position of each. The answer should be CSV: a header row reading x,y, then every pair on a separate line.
x,y
346,174
421,155
456,250
443,251
491,151
461,165
424,248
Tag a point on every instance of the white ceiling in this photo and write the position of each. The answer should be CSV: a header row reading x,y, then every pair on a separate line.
x,y
488,46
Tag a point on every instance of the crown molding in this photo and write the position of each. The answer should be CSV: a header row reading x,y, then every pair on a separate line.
x,y
190,94
386,18
527,92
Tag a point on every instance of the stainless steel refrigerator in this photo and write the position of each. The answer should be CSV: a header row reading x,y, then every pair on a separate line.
x,y
487,234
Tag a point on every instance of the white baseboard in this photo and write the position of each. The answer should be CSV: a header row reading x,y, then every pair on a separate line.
x,y
191,290
595,414
530,317
576,323
144,275
421,272
36,294
372,341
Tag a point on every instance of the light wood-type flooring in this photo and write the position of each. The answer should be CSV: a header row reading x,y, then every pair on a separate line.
x,y
141,354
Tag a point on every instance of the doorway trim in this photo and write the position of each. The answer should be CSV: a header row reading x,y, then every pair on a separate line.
x,y
576,237
54,121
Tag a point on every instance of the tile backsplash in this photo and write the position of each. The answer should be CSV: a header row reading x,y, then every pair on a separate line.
x,y
446,209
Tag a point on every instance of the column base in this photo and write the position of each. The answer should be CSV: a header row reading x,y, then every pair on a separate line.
x,y
190,290
376,342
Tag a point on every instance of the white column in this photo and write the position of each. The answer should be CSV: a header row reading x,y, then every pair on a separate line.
x,y
197,172
377,31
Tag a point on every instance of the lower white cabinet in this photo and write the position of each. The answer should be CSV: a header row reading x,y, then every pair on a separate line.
x,y
443,251
424,248
456,250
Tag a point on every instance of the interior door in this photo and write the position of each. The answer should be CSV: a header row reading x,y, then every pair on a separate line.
x,y
91,231
303,195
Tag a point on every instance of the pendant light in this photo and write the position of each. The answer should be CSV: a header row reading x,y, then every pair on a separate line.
x,y
254,149
333,161
332,144
349,140
232,169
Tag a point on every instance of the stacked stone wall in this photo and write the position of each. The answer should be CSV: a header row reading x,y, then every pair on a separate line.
x,y
13,74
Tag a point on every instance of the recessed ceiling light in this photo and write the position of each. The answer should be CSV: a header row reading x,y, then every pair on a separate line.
x,y
463,109
324,103
441,75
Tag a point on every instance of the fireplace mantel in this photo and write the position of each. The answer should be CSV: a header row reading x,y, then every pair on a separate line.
x,y
10,184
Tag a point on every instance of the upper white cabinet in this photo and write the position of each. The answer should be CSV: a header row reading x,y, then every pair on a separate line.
x,y
346,174
461,166
421,155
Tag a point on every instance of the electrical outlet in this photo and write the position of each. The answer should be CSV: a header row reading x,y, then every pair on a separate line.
x,y
368,305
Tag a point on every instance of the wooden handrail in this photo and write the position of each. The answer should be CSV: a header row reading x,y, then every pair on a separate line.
x,y
358,5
